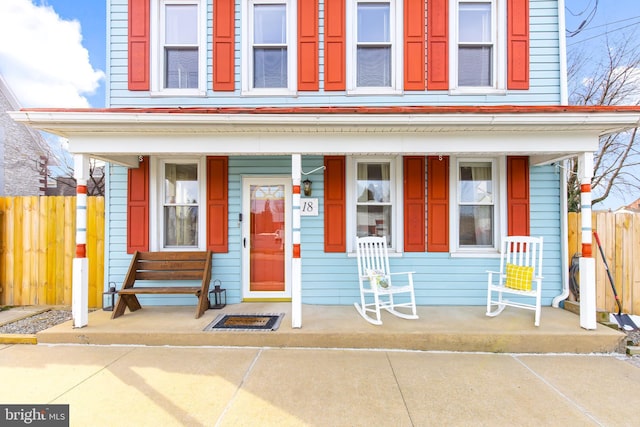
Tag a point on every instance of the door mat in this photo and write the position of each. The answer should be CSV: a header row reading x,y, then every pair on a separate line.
x,y
246,322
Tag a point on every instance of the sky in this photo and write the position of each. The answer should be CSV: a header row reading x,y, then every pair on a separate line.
x,y
52,52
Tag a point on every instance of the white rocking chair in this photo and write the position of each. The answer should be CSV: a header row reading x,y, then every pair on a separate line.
x,y
520,275
375,282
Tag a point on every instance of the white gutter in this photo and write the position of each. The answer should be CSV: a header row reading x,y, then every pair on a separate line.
x,y
562,36
564,237
111,121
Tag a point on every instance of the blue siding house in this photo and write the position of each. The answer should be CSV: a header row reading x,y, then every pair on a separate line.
x,y
273,132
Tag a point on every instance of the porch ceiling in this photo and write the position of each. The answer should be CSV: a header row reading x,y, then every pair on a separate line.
x,y
546,133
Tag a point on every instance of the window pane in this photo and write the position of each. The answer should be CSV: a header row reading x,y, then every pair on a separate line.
x,y
270,24
180,226
374,67
475,22
475,66
476,183
374,203
181,24
270,68
374,183
373,22
476,226
374,221
182,68
181,184
181,196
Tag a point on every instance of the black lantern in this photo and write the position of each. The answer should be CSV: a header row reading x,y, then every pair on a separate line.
x,y
217,296
306,187
110,293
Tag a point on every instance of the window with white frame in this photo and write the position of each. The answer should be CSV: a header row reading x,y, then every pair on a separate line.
x,y
373,198
478,58
179,220
178,54
269,48
374,35
476,210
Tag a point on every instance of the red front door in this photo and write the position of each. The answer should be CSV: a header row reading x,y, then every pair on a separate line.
x,y
266,238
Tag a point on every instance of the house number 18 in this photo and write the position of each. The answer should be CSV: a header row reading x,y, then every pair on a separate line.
x,y
308,207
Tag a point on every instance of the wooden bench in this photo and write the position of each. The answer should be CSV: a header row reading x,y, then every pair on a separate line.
x,y
165,266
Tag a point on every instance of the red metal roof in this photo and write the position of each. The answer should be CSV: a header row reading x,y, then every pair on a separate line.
x,y
416,109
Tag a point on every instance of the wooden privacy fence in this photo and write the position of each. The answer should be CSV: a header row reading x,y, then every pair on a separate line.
x,y
620,238
37,247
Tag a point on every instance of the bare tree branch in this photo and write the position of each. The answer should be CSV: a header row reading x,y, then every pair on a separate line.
x,y
615,80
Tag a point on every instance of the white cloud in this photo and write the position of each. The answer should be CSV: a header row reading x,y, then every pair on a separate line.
x,y
42,57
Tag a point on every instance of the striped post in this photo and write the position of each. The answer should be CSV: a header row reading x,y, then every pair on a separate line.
x,y
80,276
587,263
296,262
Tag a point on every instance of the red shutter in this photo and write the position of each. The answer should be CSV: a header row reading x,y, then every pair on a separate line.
x,y
138,208
335,233
518,195
518,44
334,45
224,45
217,204
414,226
308,45
438,204
139,44
414,55
437,45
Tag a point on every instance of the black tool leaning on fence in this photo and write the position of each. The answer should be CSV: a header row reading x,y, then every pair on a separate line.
x,y
624,321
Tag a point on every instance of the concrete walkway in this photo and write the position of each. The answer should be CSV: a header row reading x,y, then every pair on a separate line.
x,y
263,386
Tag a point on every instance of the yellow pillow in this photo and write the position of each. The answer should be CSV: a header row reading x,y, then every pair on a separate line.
x,y
519,277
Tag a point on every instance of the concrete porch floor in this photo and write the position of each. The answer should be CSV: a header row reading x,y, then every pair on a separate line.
x,y
452,328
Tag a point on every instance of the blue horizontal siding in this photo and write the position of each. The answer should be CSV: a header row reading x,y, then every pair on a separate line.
x,y
330,278
544,71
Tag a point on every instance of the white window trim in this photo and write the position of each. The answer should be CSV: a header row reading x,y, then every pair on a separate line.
x,y
397,211
397,37
156,213
157,57
292,50
499,28
499,174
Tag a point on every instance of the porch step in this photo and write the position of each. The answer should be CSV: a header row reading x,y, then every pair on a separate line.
x,y
602,316
633,350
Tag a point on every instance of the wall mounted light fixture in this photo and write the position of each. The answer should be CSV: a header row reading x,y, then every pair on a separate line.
x,y
306,187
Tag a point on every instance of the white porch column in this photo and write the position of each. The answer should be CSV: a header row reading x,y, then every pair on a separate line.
x,y
80,276
296,262
587,262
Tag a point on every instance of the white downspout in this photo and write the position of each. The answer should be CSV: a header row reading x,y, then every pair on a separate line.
x,y
562,38
564,238
564,205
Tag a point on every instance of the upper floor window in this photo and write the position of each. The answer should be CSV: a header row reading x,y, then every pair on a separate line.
x,y
479,58
179,54
270,50
373,34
